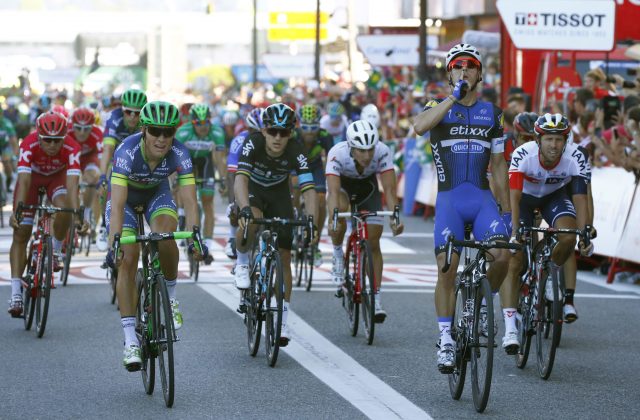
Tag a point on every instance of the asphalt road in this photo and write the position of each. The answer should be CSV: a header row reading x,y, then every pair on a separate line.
x,y
75,370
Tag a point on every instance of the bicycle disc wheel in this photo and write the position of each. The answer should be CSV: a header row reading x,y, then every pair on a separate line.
x,y
43,293
549,322
69,249
309,256
524,324
253,317
459,335
164,337
143,330
349,303
482,347
367,290
113,282
274,300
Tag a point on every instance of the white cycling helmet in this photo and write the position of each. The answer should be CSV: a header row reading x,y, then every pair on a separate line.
x,y
462,49
230,118
362,135
370,113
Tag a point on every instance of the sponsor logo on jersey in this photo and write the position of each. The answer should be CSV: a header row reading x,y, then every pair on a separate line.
x,y
517,156
469,131
74,158
302,161
459,115
247,148
580,159
438,161
186,164
467,147
482,117
122,164
177,151
25,156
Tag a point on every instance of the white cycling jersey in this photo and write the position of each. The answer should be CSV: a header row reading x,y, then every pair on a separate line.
x,y
340,162
336,131
530,176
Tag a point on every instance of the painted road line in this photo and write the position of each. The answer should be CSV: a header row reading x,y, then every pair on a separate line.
x,y
350,380
601,281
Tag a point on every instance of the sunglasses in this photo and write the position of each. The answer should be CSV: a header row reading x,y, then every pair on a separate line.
x,y
49,140
202,123
467,63
309,127
283,132
131,112
77,127
167,132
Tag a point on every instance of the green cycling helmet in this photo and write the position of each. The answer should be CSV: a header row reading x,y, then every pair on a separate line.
x,y
200,112
160,113
133,98
309,114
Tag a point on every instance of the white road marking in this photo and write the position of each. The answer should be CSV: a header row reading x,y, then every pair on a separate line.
x,y
365,391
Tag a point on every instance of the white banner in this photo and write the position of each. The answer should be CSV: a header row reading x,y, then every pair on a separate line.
x,y
629,244
427,186
587,25
284,66
393,50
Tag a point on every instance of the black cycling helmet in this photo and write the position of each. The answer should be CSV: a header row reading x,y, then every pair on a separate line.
x,y
279,116
524,122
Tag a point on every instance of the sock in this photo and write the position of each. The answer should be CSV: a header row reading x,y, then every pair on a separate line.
x,y
243,258
16,287
337,251
87,213
378,297
568,296
209,243
285,313
57,245
444,324
509,319
232,231
180,212
171,288
129,327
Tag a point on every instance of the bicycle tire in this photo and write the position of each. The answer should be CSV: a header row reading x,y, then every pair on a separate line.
x,y
29,292
524,324
367,290
549,324
69,250
113,283
481,381
194,268
562,287
147,367
273,323
460,337
253,316
309,276
165,336
349,302
43,293
298,256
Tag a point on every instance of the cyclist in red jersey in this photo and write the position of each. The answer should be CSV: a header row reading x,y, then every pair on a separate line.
x,y
49,158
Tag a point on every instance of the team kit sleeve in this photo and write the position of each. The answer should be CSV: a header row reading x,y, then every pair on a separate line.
x,y
497,131
72,149
218,138
305,177
246,159
184,166
516,169
110,132
334,166
385,162
24,161
581,175
121,169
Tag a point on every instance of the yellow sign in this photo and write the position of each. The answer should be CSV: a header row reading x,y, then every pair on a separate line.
x,y
296,18
296,26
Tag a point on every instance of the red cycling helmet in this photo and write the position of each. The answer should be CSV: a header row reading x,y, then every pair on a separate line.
x,y
83,116
51,124
60,110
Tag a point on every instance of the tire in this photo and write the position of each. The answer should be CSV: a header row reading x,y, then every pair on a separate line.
x,y
253,317
482,347
349,303
164,338
460,336
148,367
45,278
524,324
309,258
28,300
367,290
548,327
273,316
298,256
113,283
194,268
69,250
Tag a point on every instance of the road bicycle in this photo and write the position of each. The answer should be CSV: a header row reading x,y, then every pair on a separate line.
x,y
303,254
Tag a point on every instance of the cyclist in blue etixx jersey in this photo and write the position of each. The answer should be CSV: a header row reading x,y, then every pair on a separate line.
x,y
262,188
141,168
465,135
254,124
122,123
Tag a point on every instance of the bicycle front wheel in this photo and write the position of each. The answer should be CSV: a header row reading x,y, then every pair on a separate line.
x,y
350,303
524,324
69,250
549,321
460,337
44,275
482,346
113,282
309,257
367,290
274,300
143,331
29,291
253,317
164,337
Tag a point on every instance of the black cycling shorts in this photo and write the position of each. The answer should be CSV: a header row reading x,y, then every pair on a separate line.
x,y
274,202
367,195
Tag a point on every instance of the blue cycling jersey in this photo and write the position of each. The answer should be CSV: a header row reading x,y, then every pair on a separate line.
x,y
234,151
115,131
462,143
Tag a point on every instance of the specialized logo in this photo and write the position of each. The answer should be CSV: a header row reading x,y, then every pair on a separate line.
x,y
446,232
247,148
459,115
494,225
469,131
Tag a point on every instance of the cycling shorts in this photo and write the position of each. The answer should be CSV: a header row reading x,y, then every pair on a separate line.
x,y
467,204
552,206
55,184
367,195
203,168
319,178
274,202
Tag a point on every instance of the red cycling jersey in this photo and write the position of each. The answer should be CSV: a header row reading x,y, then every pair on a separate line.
x,y
93,143
34,159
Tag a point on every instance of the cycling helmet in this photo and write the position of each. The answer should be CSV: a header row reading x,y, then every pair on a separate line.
x,y
83,116
552,124
229,118
335,109
370,113
200,112
279,116
309,114
254,119
134,98
51,124
60,109
160,113
44,100
362,135
524,122
462,49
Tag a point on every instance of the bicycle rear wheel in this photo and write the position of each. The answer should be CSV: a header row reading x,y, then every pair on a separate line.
x,y
69,250
482,347
459,335
367,290
143,331
45,278
164,338
274,301
549,322
349,302
253,317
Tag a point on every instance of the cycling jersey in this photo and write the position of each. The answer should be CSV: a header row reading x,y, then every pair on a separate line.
x,y
201,147
93,143
6,132
338,132
323,141
234,151
340,162
34,159
268,171
115,130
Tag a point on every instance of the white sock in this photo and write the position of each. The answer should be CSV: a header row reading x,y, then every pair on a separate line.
x,y
509,319
57,245
129,327
16,287
445,333
337,251
378,298
87,213
180,212
243,258
171,288
285,313
232,231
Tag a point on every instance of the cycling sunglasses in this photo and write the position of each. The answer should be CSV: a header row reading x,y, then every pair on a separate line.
x,y
167,132
198,122
466,62
131,112
309,127
55,140
77,127
283,132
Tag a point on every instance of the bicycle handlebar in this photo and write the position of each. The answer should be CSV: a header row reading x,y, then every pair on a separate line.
x,y
395,215
481,245
584,234
48,209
